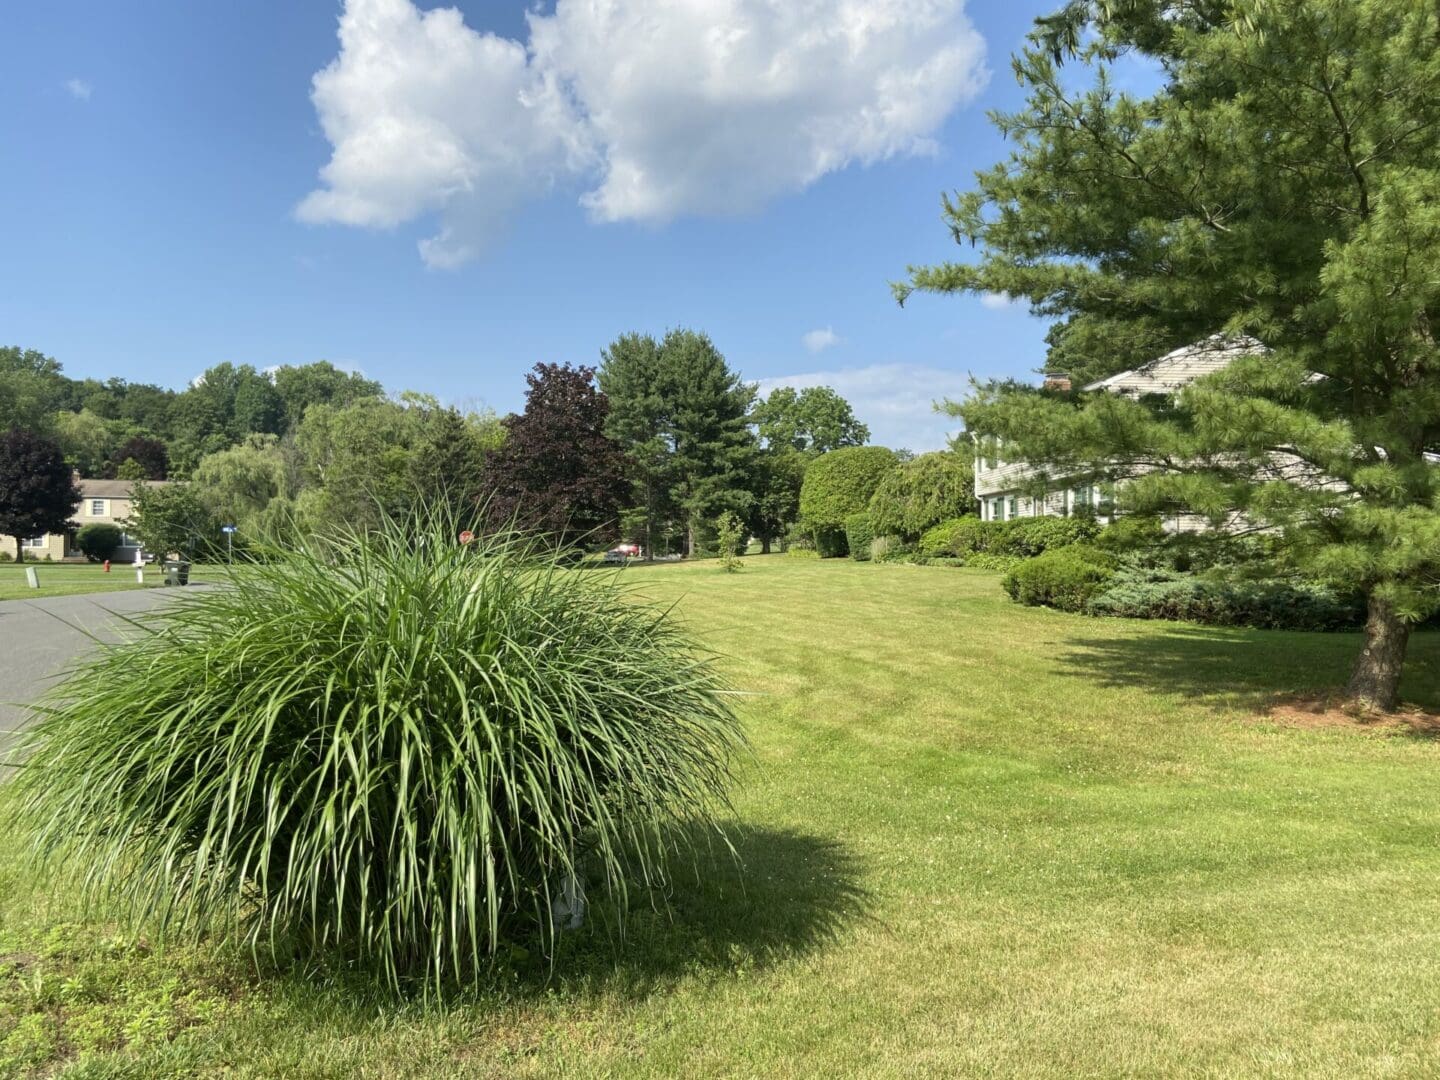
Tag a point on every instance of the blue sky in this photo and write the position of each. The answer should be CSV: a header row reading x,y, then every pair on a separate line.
x,y
163,206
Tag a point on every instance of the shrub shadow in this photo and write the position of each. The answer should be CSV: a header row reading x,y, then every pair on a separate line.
x,y
1229,668
782,893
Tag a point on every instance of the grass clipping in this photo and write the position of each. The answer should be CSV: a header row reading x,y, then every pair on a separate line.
x,y
391,746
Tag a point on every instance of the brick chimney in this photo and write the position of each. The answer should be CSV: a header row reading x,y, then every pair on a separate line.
x,y
1057,380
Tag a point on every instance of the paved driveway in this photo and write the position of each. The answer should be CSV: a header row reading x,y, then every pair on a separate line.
x,y
41,638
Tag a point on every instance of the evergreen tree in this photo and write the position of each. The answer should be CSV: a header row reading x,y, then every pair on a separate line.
x,y
632,378
558,473
447,463
1280,183
713,449
37,492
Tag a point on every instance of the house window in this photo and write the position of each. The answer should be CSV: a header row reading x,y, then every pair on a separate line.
x,y
997,510
1013,510
97,507
1107,500
37,542
1082,498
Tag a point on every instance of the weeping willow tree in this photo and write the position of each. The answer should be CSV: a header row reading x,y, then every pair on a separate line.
x,y
1281,181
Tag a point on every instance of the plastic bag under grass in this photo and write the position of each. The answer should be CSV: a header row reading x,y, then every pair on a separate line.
x,y
391,748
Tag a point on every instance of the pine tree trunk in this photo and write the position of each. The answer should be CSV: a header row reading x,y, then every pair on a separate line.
x,y
1375,680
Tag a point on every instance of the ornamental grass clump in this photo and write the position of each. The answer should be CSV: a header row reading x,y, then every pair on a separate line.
x,y
394,748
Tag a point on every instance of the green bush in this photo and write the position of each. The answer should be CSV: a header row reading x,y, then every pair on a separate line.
x,y
955,537
99,540
393,748
1020,537
858,536
1272,605
729,542
1064,578
839,484
1027,537
802,552
984,560
923,492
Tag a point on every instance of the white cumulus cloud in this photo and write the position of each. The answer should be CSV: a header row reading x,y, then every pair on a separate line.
x,y
79,89
660,109
1000,301
820,340
896,401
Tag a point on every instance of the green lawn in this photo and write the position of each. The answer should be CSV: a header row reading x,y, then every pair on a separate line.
x,y
69,579
977,840
73,579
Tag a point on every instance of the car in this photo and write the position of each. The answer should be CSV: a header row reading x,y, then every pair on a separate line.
x,y
624,553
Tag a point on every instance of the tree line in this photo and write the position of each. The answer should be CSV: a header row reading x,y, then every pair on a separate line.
x,y
653,445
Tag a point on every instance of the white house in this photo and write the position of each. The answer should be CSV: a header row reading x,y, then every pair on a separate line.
x,y
999,483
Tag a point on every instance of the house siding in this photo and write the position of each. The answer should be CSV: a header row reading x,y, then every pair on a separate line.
x,y
102,502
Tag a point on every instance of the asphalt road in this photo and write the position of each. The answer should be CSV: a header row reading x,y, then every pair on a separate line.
x,y
42,637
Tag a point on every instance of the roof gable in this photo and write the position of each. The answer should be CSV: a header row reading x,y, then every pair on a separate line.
x,y
1175,369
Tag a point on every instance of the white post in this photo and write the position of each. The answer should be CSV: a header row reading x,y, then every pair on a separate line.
x,y
140,575
32,578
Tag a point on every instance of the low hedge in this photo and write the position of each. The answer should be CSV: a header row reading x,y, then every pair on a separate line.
x,y
1266,605
858,536
1020,537
1065,578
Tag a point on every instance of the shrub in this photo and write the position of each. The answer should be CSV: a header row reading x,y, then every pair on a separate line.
x,y
402,752
839,484
1065,578
1036,535
858,535
802,553
729,542
98,540
923,492
1273,604
984,560
1020,537
954,537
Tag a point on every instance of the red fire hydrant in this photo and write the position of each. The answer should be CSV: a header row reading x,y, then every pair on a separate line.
x,y
107,566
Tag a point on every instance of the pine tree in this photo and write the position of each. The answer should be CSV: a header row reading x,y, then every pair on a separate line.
x,y
712,465
1282,183
683,418
631,376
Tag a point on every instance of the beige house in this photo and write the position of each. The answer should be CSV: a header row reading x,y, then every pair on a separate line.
x,y
102,501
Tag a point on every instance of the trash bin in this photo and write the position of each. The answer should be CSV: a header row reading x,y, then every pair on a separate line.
x,y
177,572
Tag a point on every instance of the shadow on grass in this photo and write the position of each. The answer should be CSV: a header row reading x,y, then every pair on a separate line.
x,y
1228,668
784,893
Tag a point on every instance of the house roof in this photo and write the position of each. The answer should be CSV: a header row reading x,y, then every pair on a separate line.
x,y
1181,367
112,489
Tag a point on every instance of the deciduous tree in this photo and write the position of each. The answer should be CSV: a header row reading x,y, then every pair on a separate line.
x,y
558,473
37,492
